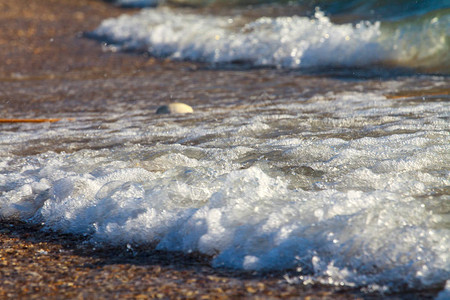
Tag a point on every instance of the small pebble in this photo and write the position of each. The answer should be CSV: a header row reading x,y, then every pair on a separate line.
x,y
175,108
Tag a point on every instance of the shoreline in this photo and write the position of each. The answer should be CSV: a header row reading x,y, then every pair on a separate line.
x,y
51,265
47,56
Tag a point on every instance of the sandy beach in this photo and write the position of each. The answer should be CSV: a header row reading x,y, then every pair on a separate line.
x,y
39,265
46,60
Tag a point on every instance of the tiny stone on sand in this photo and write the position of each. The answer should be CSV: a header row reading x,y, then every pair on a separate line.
x,y
175,108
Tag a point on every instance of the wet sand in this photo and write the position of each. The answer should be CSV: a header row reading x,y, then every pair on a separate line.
x,y
36,264
50,70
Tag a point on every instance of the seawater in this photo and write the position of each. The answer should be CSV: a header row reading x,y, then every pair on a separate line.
x,y
402,34
343,179
350,188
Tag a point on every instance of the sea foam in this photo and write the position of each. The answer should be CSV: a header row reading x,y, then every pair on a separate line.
x,y
283,41
286,42
368,211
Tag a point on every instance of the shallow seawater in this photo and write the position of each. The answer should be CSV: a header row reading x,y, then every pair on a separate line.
x,y
341,175
350,187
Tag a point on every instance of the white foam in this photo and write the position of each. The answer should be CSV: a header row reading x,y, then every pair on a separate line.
x,y
292,42
288,42
351,199
283,41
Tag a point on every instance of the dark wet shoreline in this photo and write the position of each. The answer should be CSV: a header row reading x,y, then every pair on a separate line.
x,y
42,264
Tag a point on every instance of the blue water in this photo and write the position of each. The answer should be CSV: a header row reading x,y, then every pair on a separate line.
x,y
372,9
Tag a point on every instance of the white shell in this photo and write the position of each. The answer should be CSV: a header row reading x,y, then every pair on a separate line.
x,y
175,108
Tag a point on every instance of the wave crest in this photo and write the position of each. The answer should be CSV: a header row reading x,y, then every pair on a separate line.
x,y
285,42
